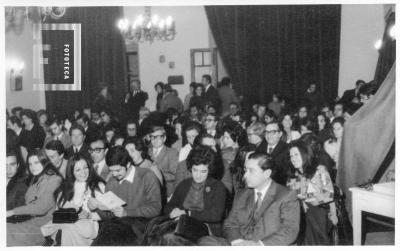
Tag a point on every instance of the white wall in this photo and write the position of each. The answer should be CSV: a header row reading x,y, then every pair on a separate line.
x,y
19,47
192,32
361,26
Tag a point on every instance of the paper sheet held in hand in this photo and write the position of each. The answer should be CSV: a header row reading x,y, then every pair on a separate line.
x,y
109,201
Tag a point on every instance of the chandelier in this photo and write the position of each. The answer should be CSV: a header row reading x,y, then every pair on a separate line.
x,y
148,27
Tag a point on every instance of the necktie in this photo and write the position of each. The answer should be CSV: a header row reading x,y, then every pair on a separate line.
x,y
253,219
269,150
258,201
76,150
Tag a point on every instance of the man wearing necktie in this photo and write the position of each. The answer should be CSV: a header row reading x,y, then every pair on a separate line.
x,y
134,100
265,213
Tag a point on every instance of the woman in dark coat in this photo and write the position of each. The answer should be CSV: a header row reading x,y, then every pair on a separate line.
x,y
200,196
16,180
33,136
198,99
43,181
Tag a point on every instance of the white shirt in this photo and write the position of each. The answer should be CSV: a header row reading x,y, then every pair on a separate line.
x,y
100,166
18,132
156,152
184,152
58,137
130,175
77,147
263,191
207,87
271,147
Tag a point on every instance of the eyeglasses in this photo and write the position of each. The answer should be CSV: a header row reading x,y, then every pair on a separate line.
x,y
209,120
131,129
96,150
103,115
271,132
154,137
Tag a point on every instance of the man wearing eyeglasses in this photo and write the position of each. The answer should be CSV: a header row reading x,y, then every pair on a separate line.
x,y
98,152
210,124
164,157
277,149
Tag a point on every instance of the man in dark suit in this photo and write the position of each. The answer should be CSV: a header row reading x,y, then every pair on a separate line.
x,y
134,100
57,133
98,152
265,213
349,95
164,157
211,94
277,149
91,129
78,145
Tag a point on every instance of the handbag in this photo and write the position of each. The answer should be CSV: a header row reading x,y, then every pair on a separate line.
x,y
66,215
190,228
19,218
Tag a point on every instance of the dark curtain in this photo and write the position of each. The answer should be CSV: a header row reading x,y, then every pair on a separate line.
x,y
103,58
387,53
272,48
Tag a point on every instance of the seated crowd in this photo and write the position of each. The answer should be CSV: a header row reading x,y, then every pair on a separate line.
x,y
205,171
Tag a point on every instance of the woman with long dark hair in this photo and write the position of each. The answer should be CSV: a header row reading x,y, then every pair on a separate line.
x,y
81,183
315,190
43,181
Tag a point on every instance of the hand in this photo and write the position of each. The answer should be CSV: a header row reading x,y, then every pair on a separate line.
x,y
119,212
176,213
92,204
10,213
333,217
241,242
84,214
127,97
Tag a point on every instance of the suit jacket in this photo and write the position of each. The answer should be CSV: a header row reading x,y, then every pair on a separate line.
x,y
167,162
227,96
105,173
214,202
211,95
277,220
83,151
92,132
65,140
280,157
348,96
132,106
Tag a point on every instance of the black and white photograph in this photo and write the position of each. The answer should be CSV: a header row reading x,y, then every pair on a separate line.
x,y
198,123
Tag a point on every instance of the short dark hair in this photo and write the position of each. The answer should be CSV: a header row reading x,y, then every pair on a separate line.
x,y
98,138
265,161
368,89
84,118
118,155
193,84
76,127
360,81
208,77
30,114
15,120
16,109
225,81
202,155
280,126
160,84
140,146
340,120
55,120
55,145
